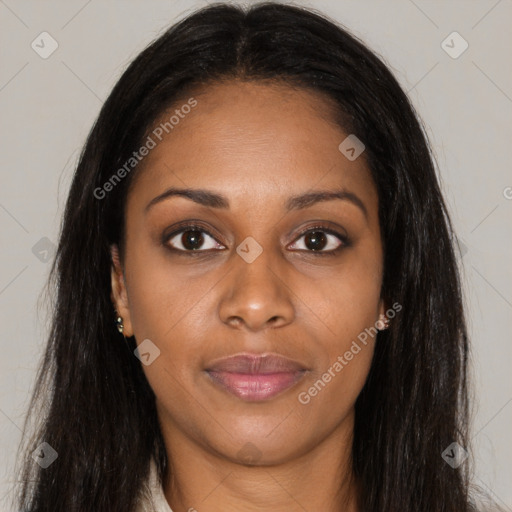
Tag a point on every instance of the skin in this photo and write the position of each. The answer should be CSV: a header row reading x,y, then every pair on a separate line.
x,y
257,144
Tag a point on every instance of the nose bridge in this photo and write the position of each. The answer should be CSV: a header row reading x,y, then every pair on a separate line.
x,y
256,294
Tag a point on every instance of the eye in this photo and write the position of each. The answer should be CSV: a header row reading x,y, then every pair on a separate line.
x,y
191,238
318,240
321,241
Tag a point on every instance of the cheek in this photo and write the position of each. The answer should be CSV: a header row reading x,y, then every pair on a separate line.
x,y
344,309
162,300
173,309
345,298
329,397
349,308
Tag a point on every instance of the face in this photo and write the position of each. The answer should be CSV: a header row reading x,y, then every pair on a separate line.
x,y
252,269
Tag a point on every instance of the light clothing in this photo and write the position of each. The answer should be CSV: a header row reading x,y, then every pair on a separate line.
x,y
153,498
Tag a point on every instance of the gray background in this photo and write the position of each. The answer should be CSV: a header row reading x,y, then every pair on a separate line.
x,y
48,106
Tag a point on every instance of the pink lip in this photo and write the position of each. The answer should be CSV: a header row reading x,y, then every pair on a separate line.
x,y
255,377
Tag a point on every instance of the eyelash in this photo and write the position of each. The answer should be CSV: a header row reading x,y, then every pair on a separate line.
x,y
345,242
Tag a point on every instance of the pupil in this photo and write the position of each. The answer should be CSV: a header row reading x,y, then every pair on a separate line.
x,y
192,239
315,240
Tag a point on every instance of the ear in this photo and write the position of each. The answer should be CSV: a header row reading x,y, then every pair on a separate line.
x,y
118,293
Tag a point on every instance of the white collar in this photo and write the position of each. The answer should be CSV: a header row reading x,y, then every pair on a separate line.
x,y
153,498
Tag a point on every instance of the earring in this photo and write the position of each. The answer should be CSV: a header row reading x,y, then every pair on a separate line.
x,y
383,323
119,324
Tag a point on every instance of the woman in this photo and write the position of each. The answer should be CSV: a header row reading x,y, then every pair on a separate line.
x,y
258,303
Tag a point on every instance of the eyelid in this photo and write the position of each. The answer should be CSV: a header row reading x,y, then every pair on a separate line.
x,y
326,226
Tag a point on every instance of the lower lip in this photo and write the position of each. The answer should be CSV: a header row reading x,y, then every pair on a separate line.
x,y
252,388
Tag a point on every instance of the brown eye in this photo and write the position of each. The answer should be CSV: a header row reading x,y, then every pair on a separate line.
x,y
315,240
191,239
320,241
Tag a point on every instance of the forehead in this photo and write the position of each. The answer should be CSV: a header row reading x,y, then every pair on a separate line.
x,y
254,141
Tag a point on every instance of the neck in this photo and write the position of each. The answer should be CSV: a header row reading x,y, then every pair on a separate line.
x,y
318,479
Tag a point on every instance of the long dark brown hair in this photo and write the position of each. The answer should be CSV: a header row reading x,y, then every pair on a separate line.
x,y
92,402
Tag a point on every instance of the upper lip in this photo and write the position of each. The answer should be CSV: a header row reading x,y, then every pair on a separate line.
x,y
255,364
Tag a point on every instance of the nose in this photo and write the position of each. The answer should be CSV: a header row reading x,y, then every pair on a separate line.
x,y
256,295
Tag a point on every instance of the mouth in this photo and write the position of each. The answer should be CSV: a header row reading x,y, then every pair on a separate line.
x,y
255,377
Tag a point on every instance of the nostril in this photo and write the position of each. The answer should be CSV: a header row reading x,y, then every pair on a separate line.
x,y
235,320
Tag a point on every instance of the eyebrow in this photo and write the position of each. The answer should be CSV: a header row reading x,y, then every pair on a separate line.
x,y
212,199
